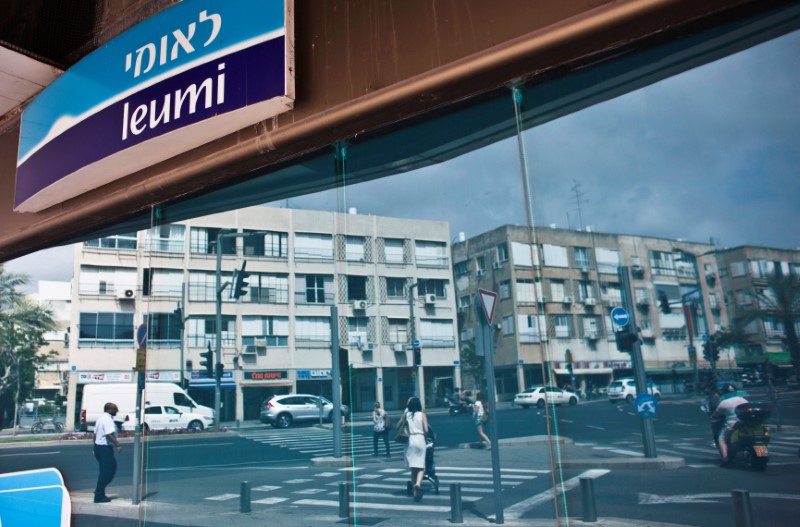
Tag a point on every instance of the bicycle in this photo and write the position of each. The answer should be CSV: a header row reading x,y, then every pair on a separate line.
x,y
47,425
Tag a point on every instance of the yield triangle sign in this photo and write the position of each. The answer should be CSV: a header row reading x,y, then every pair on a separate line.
x,y
488,301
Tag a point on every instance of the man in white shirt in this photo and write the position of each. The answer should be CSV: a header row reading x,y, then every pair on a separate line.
x,y
105,440
726,411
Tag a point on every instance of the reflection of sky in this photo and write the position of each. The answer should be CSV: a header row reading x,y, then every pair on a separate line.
x,y
714,152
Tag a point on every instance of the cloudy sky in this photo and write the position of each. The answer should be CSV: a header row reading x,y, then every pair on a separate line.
x,y
711,153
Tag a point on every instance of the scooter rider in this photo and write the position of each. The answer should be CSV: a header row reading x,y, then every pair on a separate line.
x,y
726,410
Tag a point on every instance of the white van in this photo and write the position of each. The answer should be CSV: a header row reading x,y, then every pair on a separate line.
x,y
95,396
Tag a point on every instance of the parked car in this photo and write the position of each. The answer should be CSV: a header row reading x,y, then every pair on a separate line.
x,y
540,395
281,411
161,417
625,390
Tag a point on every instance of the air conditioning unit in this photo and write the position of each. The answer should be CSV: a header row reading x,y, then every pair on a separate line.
x,y
462,309
585,270
249,349
360,305
646,333
127,294
398,348
261,343
643,302
592,335
430,299
637,270
590,301
496,265
567,300
479,273
541,299
369,346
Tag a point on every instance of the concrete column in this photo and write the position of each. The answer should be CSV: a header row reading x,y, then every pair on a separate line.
x,y
72,396
238,375
457,381
421,384
520,377
379,385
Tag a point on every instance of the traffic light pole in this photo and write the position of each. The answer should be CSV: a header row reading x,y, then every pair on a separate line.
x,y
648,433
413,337
220,288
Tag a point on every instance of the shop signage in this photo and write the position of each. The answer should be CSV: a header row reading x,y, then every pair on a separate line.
x,y
104,376
197,71
115,376
313,375
264,375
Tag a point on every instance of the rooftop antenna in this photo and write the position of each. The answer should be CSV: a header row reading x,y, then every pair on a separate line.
x,y
576,190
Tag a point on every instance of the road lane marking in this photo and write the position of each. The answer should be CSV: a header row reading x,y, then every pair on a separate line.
x,y
265,488
712,497
380,506
676,423
30,454
595,427
462,481
222,497
477,490
403,496
518,470
516,511
164,447
270,501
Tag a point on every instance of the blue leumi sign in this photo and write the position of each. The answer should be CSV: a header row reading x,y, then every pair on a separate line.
x,y
197,71
36,497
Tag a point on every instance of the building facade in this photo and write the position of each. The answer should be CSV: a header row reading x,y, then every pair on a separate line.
x,y
556,288
277,337
745,275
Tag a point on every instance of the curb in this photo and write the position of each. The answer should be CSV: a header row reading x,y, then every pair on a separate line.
x,y
658,463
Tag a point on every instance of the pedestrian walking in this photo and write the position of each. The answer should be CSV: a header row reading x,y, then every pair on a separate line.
x,y
481,415
105,441
381,423
416,446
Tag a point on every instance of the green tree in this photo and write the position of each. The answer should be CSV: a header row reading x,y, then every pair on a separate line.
x,y
22,328
779,301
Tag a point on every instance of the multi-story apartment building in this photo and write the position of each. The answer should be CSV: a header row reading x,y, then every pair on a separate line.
x,y
51,376
743,272
277,338
556,289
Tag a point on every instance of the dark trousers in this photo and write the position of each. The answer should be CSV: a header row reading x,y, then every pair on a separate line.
x,y
376,435
108,467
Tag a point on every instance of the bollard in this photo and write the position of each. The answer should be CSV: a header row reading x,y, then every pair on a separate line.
x,y
244,497
456,514
587,496
344,500
742,512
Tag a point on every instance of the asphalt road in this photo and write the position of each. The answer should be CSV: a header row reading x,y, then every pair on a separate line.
x,y
207,469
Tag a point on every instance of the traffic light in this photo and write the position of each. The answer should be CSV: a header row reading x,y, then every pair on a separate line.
x,y
220,371
663,302
240,285
417,356
707,351
625,340
208,362
178,314
711,349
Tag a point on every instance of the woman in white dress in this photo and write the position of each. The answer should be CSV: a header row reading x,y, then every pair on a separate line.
x,y
415,448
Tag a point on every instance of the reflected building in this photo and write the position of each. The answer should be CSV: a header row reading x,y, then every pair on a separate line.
x,y
745,273
556,288
276,339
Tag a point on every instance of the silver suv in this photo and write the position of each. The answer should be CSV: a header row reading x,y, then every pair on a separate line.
x,y
281,411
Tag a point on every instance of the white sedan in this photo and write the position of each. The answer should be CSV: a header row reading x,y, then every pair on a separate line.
x,y
158,417
541,395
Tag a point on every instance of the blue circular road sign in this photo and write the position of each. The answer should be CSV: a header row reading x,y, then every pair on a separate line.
x,y
620,316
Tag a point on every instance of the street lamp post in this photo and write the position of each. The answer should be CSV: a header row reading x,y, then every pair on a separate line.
x,y
413,336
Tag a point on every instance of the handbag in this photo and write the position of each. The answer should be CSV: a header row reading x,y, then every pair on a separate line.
x,y
387,422
485,416
402,433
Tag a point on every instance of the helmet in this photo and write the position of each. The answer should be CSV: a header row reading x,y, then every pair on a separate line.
x,y
728,388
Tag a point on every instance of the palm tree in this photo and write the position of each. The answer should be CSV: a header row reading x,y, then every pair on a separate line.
x,y
780,301
22,328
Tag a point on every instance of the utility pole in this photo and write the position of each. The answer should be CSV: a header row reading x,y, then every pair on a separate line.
x,y
417,388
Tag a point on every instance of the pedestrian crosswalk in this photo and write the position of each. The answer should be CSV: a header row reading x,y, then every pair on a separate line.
x,y
316,442
377,488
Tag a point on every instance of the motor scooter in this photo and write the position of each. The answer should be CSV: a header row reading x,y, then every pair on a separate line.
x,y
749,438
460,407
